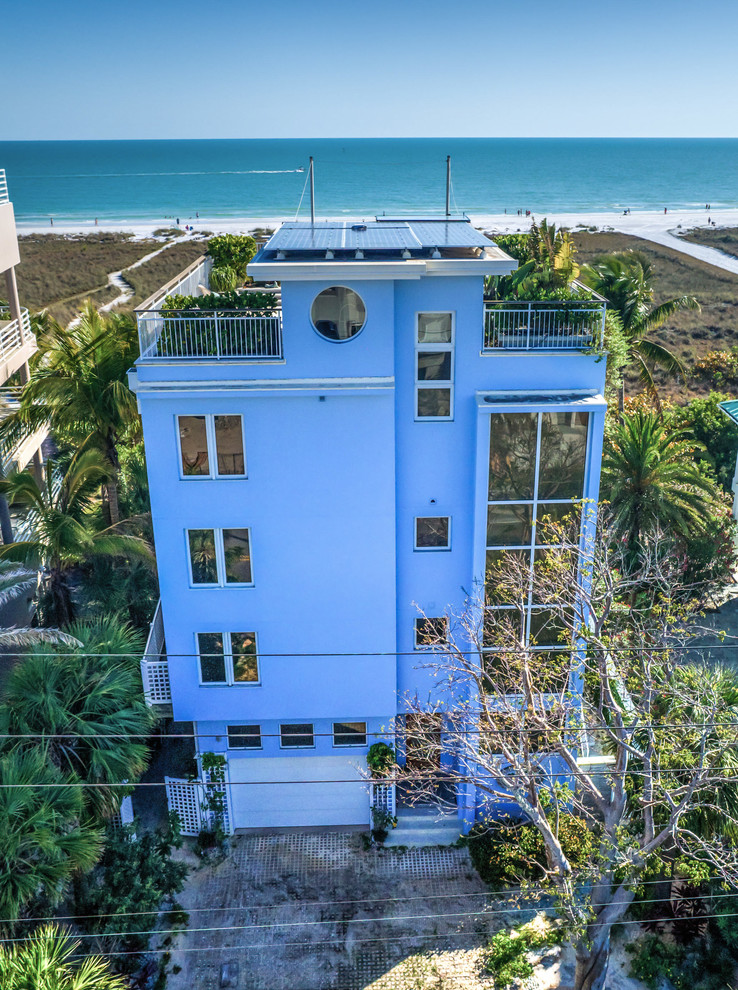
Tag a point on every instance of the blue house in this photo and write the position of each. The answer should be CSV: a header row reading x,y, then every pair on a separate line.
x,y
321,473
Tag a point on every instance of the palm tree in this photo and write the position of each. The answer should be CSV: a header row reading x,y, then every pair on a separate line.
x,y
626,280
61,533
88,706
652,481
44,843
79,387
44,962
16,581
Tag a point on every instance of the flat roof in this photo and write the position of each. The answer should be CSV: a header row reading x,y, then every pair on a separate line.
x,y
385,234
730,407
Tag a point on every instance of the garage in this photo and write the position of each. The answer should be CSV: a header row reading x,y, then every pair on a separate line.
x,y
340,796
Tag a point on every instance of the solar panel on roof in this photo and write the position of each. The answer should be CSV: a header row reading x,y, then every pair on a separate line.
x,y
449,234
340,236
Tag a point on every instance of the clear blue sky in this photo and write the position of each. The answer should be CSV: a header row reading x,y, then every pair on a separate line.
x,y
347,68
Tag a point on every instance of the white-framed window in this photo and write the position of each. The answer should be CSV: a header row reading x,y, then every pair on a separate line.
x,y
244,736
433,532
537,471
430,631
220,558
211,446
297,735
228,658
434,366
349,734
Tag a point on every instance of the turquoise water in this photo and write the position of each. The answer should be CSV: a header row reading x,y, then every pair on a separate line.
x,y
129,180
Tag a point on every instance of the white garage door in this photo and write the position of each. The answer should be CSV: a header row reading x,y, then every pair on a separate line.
x,y
340,797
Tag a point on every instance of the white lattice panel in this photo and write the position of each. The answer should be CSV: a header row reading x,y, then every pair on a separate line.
x,y
185,798
225,790
382,797
155,677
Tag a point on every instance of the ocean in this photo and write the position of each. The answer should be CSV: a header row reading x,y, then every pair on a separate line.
x,y
76,181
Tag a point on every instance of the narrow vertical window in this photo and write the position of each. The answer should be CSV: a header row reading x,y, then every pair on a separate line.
x,y
193,445
237,555
434,366
202,556
212,658
243,653
229,444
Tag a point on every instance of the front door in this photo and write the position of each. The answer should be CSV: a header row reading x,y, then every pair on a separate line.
x,y
422,758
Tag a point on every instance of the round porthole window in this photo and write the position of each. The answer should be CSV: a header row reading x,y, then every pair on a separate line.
x,y
338,313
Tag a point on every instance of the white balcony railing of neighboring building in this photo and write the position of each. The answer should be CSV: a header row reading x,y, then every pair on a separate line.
x,y
227,334
155,666
528,326
4,198
14,334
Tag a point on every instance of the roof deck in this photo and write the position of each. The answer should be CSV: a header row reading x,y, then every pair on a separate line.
x,y
385,248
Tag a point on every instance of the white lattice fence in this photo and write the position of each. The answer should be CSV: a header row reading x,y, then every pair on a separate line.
x,y
124,814
156,685
222,788
382,797
185,797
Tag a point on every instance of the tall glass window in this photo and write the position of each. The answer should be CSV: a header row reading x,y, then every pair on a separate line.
x,y
537,463
434,366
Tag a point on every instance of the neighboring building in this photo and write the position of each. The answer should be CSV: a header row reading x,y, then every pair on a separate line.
x,y
17,345
316,474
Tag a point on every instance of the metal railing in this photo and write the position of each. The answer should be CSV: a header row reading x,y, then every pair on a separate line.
x,y
239,333
154,665
528,326
187,283
4,198
14,334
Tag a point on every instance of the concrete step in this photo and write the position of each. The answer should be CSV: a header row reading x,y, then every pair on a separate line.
x,y
420,832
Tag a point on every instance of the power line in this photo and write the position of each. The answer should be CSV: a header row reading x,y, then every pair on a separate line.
x,y
392,938
502,892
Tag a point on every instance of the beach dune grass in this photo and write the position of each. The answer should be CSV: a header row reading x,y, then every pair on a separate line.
x,y
147,278
723,238
689,333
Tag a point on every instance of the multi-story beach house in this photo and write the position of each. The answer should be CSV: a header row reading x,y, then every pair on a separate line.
x,y
17,345
320,474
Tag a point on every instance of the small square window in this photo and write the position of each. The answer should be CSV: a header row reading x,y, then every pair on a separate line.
x,y
433,533
431,632
434,403
349,733
296,736
435,328
244,737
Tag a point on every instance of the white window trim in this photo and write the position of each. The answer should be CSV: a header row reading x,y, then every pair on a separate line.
x,y
425,646
312,733
348,745
244,749
230,680
425,384
415,536
219,559
212,474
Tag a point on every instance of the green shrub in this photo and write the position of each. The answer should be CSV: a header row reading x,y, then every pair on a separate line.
x,y
380,759
232,250
694,966
506,957
222,301
223,278
506,852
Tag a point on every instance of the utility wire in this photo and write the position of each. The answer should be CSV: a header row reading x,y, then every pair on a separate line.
x,y
391,938
433,916
506,891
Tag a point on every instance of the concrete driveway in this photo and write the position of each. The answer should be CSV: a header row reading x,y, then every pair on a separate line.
x,y
306,912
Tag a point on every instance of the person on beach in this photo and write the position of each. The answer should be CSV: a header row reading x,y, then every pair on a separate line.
x,y
664,209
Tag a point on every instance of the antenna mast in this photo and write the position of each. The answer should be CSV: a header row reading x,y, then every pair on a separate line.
x,y
312,191
448,185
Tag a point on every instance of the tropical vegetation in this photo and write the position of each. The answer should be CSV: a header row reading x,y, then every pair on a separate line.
x,y
49,960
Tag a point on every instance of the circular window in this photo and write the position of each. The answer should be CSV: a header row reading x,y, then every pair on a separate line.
x,y
338,313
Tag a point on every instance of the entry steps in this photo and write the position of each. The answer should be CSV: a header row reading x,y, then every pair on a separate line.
x,y
424,825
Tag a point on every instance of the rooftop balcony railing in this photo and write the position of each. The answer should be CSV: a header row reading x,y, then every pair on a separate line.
x,y
154,664
571,325
4,198
194,334
14,334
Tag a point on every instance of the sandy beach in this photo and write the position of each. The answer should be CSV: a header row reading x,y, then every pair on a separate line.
x,y
659,227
